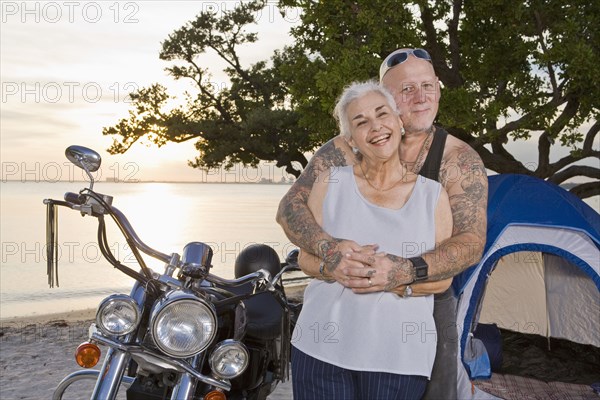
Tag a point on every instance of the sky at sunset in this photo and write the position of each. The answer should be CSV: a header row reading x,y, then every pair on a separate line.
x,y
67,67
66,70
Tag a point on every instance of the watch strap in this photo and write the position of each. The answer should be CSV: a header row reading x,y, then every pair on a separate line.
x,y
420,267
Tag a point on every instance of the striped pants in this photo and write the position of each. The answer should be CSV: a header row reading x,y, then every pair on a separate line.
x,y
313,379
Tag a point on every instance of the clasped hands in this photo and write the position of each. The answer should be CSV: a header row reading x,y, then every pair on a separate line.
x,y
365,270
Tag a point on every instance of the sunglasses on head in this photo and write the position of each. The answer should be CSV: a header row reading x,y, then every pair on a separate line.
x,y
402,56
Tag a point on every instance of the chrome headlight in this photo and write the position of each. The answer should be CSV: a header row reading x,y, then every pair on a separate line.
x,y
118,315
229,359
182,324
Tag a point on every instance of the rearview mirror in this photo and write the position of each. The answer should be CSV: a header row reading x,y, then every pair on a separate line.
x,y
86,159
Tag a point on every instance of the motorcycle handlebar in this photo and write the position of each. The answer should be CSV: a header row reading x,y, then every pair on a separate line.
x,y
138,242
74,198
261,274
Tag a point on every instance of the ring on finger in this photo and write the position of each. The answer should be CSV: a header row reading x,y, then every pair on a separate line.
x,y
370,283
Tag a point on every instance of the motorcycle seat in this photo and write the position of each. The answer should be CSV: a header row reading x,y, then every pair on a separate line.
x,y
264,314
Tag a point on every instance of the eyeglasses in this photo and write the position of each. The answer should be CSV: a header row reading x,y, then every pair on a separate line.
x,y
400,56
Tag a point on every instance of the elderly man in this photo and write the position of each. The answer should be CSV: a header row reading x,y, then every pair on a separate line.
x,y
433,153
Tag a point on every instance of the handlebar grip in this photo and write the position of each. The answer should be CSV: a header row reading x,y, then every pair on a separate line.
x,y
74,198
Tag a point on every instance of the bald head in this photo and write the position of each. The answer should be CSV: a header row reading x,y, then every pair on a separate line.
x,y
400,56
411,79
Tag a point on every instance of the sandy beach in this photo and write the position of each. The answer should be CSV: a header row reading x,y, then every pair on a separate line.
x,y
36,353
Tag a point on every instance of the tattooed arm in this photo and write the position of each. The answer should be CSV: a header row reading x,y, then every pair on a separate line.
x,y
464,177
311,264
297,220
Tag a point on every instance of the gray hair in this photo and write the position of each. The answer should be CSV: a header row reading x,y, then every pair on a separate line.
x,y
353,92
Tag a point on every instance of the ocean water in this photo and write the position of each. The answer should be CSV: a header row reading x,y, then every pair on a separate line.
x,y
165,216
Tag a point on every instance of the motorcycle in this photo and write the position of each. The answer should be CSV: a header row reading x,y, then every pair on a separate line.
x,y
185,333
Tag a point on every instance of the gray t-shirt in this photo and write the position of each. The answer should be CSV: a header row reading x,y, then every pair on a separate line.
x,y
378,332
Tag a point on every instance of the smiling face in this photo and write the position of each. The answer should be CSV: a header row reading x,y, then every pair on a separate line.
x,y
416,89
374,127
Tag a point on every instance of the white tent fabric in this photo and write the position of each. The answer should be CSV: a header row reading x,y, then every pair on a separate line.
x,y
540,272
513,293
573,302
567,240
544,294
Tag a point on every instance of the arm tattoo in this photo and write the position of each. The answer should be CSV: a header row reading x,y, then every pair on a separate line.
x,y
465,179
294,215
469,207
400,274
328,251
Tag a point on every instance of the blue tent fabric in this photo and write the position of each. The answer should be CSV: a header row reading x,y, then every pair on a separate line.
x,y
525,201
520,199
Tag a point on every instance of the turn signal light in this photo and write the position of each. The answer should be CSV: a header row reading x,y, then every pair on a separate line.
x,y
87,355
215,395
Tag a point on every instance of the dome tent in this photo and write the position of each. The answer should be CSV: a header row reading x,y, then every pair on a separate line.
x,y
526,214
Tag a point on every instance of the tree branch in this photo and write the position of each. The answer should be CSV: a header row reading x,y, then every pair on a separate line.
x,y
454,38
586,190
217,103
573,171
556,93
527,121
563,162
547,138
500,164
450,77
591,135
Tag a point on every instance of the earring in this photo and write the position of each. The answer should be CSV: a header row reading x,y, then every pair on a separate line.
x,y
402,131
355,150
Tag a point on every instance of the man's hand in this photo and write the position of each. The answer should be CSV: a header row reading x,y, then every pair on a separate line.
x,y
399,274
377,272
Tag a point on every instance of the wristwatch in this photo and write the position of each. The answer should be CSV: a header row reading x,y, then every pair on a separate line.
x,y
421,268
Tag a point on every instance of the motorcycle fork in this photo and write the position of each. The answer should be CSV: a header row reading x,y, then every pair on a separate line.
x,y
186,387
116,361
111,374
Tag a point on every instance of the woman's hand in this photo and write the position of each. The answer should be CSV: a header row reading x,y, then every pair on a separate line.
x,y
310,264
343,272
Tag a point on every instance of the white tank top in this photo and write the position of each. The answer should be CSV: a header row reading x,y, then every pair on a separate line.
x,y
377,332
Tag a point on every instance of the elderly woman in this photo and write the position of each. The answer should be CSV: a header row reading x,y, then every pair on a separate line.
x,y
376,345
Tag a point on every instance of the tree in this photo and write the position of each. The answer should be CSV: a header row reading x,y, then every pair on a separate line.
x,y
245,123
511,70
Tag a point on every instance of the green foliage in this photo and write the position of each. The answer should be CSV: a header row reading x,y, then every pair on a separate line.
x,y
511,70
247,122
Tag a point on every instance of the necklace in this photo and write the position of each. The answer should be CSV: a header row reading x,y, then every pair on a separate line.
x,y
424,147
375,187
